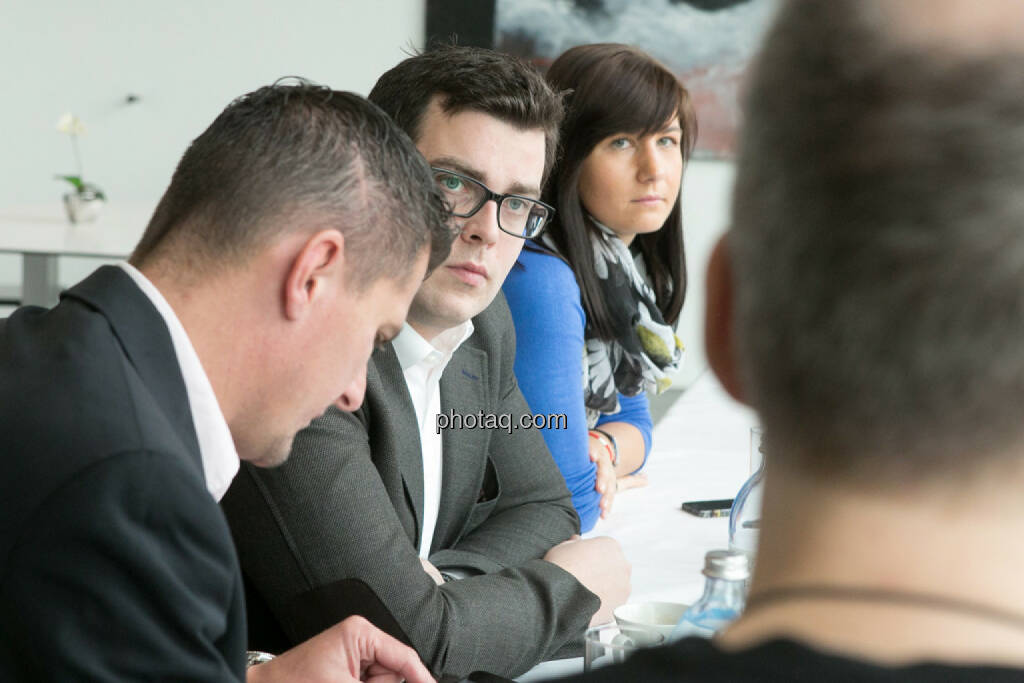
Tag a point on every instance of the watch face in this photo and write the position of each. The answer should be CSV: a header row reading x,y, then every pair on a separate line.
x,y
252,658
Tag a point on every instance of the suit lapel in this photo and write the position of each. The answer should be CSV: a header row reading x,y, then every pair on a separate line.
x,y
464,392
147,343
401,426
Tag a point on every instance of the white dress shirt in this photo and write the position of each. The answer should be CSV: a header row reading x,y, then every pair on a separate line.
x,y
422,364
217,448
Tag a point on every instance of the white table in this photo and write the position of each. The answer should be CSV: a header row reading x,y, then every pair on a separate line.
x,y
701,451
41,234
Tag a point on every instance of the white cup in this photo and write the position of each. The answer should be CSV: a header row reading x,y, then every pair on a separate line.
x,y
660,617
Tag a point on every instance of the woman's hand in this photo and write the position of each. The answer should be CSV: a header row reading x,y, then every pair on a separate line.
x,y
606,482
632,481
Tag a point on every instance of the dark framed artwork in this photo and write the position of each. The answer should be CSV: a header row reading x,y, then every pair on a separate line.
x,y
706,43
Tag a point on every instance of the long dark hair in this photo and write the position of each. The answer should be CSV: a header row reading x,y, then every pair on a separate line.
x,y
613,88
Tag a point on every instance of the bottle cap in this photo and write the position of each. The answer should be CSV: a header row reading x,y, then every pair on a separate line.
x,y
731,565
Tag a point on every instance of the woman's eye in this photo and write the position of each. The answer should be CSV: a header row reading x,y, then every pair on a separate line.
x,y
668,141
620,143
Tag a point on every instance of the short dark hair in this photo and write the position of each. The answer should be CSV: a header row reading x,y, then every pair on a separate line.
x,y
471,79
614,88
878,249
292,149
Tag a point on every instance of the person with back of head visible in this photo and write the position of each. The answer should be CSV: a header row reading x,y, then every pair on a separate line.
x,y
454,540
252,301
867,301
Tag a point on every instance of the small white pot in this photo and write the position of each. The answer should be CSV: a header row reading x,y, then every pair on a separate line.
x,y
82,207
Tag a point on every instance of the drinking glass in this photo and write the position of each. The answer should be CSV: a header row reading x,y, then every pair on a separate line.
x,y
745,516
610,644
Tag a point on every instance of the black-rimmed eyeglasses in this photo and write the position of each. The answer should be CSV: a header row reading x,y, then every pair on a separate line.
x,y
517,215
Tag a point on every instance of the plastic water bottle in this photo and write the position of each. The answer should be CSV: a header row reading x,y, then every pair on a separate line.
x,y
724,596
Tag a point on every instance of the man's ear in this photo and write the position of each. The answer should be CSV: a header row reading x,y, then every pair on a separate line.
x,y
317,267
719,334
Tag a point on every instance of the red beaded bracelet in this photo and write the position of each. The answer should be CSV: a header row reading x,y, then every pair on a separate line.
x,y
604,441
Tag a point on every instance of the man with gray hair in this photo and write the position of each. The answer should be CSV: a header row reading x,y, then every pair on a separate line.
x,y
869,303
251,303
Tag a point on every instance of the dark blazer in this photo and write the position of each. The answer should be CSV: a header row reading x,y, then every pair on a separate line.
x,y
115,562
335,530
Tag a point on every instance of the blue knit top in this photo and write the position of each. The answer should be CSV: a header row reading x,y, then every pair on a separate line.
x,y
549,319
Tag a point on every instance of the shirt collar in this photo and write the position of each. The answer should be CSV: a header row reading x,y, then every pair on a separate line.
x,y
216,447
412,349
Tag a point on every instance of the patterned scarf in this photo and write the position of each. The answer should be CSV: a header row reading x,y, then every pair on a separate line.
x,y
646,348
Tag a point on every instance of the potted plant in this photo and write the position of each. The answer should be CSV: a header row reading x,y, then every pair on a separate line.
x,y
86,201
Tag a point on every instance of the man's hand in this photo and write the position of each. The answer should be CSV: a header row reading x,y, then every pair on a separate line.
x,y
354,650
432,571
597,563
605,482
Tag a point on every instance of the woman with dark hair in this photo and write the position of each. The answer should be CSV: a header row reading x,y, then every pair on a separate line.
x,y
595,299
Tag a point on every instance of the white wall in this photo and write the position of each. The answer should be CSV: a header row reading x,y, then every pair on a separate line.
x,y
185,60
706,194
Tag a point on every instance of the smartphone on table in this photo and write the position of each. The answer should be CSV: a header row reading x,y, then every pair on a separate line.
x,y
708,508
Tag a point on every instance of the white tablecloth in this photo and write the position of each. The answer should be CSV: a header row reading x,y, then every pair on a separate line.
x,y
701,451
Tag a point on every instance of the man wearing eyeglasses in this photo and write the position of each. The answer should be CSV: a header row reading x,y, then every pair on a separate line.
x,y
458,541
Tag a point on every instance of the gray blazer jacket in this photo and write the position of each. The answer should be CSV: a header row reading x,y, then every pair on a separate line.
x,y
335,530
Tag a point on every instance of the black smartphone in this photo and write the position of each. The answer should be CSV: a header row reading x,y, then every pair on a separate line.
x,y
708,508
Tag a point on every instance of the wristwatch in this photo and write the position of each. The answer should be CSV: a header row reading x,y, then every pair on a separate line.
x,y
254,657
